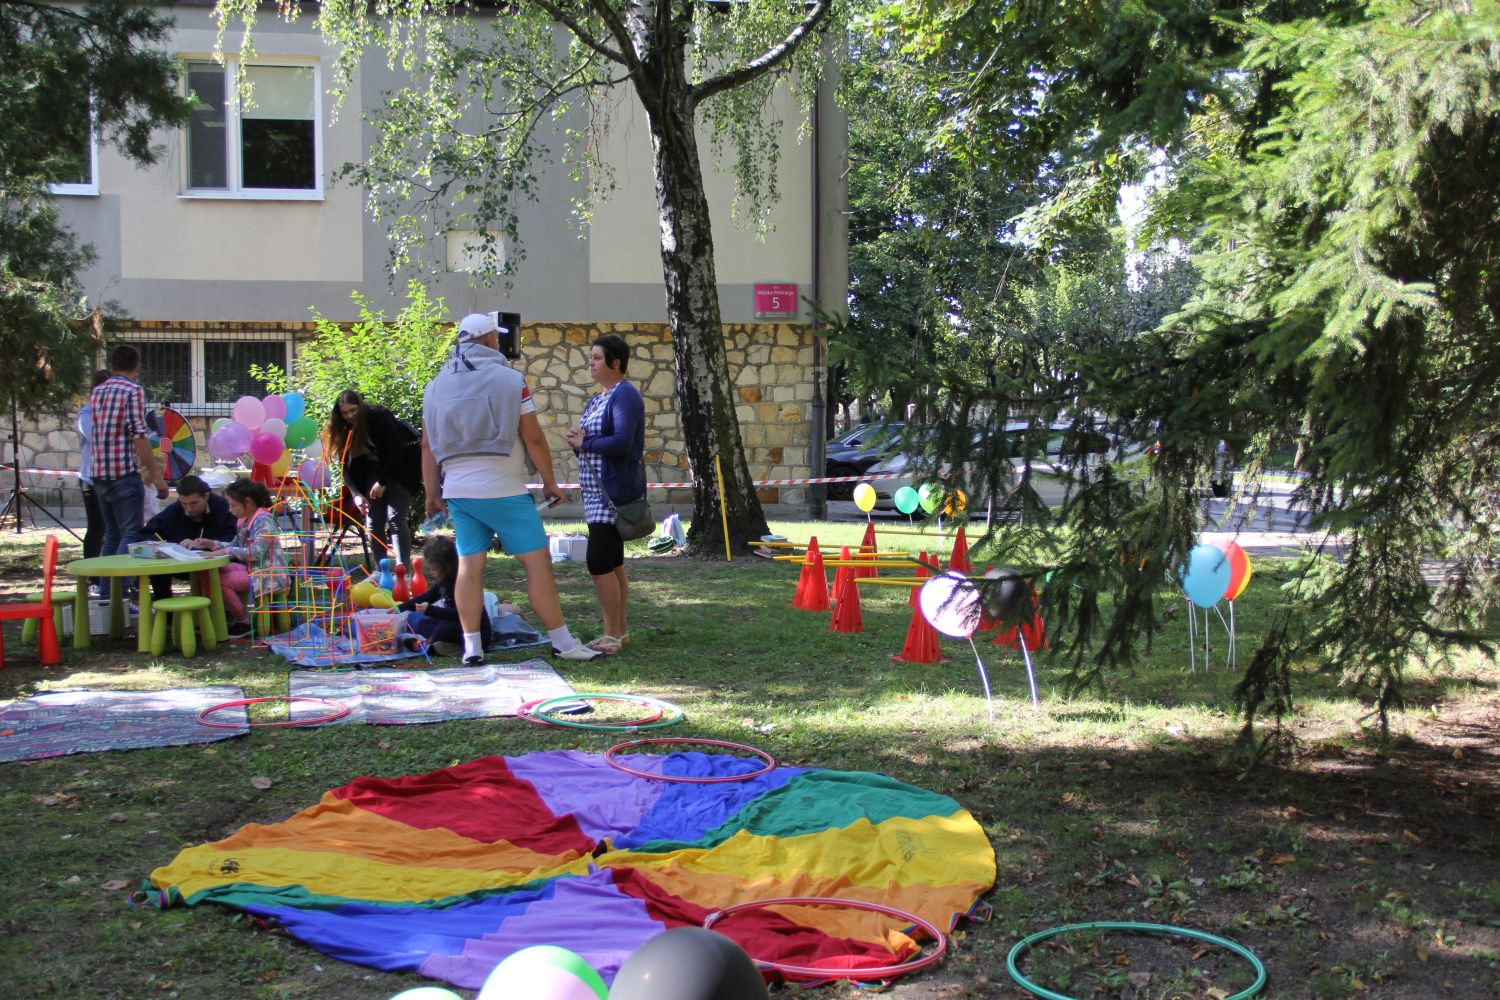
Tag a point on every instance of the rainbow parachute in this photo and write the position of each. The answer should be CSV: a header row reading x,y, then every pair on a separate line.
x,y
447,873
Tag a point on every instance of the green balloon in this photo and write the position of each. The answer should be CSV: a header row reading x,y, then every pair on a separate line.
x,y
300,431
930,496
906,499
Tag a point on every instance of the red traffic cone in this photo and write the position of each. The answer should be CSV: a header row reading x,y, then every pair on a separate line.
x,y
921,645
847,616
816,597
842,577
958,562
921,574
867,547
799,597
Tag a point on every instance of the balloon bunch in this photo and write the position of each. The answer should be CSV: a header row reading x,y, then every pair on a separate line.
x,y
270,430
1210,574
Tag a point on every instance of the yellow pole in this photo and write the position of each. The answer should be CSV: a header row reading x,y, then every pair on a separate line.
x,y
723,510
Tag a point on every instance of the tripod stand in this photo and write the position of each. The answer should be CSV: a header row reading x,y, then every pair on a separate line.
x,y
16,503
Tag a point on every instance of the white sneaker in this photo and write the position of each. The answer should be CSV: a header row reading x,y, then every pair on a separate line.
x,y
579,653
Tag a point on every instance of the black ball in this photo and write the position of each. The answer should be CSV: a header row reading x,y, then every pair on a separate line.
x,y
1007,596
689,963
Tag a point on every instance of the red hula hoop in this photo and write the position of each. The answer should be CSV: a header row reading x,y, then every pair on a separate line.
x,y
524,712
879,972
339,710
770,761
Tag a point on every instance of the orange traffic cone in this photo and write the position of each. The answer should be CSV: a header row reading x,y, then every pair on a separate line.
x,y
921,645
921,574
804,579
847,616
867,547
843,576
958,562
816,597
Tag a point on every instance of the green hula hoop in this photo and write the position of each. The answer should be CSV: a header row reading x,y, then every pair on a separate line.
x,y
540,712
1025,944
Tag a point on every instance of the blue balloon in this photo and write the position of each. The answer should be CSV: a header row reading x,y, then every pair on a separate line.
x,y
296,405
1206,575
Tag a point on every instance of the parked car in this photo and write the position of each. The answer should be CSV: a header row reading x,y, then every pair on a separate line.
x,y
854,452
1050,475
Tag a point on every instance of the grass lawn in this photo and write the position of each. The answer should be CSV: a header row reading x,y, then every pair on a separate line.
x,y
1363,870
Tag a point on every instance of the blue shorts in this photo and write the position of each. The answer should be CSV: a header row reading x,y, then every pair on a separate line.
x,y
514,519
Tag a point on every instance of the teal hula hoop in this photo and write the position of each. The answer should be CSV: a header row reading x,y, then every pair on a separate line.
x,y
1025,944
540,712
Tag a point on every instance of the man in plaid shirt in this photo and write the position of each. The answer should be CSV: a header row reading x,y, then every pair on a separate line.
x,y
122,451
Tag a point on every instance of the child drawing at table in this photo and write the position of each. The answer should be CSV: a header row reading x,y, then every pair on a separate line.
x,y
255,548
434,614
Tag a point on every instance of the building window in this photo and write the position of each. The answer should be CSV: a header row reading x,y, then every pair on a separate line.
x,y
78,170
265,146
204,377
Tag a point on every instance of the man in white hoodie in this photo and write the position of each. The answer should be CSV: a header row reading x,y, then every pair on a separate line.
x,y
479,426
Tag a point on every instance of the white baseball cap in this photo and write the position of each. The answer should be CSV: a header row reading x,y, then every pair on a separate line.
x,y
474,326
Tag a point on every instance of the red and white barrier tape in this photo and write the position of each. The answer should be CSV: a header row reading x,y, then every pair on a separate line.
x,y
42,472
757,482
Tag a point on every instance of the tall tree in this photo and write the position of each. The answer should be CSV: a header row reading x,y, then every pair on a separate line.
x,y
458,147
66,72
1332,170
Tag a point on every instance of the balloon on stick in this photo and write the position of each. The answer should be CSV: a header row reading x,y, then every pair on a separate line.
x,y
1239,571
266,448
249,411
906,500
950,603
1006,601
274,407
955,503
1205,575
864,497
543,972
689,963
296,406
930,496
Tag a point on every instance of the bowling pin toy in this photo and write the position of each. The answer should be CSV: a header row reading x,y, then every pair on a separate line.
x,y
400,592
386,581
418,581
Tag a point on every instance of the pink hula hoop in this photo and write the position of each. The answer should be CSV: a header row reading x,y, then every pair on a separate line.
x,y
339,710
770,762
524,712
816,972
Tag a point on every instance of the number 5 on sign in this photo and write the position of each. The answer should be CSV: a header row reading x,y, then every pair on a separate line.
x,y
775,301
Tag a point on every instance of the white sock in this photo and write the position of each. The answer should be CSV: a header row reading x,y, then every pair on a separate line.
x,y
472,645
562,639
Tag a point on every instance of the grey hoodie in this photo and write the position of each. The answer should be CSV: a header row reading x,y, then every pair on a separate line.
x,y
473,407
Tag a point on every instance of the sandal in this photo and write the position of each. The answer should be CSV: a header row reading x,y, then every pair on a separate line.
x,y
606,644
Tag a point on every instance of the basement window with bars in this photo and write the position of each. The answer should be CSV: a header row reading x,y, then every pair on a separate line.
x,y
204,376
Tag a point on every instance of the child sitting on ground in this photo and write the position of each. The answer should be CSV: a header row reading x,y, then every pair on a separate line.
x,y
255,548
434,615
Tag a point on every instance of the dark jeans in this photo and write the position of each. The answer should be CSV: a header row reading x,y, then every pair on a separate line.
x,y
93,535
390,512
122,502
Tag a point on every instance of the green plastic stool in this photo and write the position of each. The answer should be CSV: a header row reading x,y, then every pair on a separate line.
x,y
186,610
60,599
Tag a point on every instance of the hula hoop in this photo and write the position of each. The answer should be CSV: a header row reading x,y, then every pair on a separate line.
x,y
524,711
879,972
1025,944
770,762
541,712
339,710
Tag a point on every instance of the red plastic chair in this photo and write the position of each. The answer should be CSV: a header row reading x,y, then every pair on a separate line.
x,y
42,611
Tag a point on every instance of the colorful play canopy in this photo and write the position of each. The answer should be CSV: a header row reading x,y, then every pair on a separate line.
x,y
447,873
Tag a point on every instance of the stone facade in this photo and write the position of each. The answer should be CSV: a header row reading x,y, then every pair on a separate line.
x,y
771,366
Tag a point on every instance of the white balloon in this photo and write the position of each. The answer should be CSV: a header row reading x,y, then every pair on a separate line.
x,y
950,602
314,448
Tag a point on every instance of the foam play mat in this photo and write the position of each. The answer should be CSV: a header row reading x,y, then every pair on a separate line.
x,y
447,873
56,723
390,697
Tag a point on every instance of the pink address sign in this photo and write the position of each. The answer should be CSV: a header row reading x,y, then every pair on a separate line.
x,y
775,301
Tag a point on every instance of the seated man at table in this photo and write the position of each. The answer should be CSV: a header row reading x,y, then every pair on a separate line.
x,y
198,520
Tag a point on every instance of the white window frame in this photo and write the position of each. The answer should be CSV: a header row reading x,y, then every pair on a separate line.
x,y
92,187
199,406
233,191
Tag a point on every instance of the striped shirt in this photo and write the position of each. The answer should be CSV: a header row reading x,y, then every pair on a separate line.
x,y
119,409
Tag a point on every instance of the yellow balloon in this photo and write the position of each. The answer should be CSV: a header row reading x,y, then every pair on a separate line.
x,y
864,497
955,501
361,592
282,465
382,599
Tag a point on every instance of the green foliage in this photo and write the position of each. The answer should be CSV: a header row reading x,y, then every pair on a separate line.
x,y
65,70
389,363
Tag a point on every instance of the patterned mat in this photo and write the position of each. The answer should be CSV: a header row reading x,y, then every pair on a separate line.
x,y
389,697
58,723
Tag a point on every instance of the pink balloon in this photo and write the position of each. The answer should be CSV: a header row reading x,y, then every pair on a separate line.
x,y
950,602
274,406
266,448
249,411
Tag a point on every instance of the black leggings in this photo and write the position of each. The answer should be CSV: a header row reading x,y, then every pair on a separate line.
x,y
606,551
390,510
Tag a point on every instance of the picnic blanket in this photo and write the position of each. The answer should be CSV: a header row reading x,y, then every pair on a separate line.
x,y
446,874
57,723
387,697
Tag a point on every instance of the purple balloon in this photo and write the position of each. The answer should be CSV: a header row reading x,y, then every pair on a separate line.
x,y
218,449
274,406
236,437
266,448
314,474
